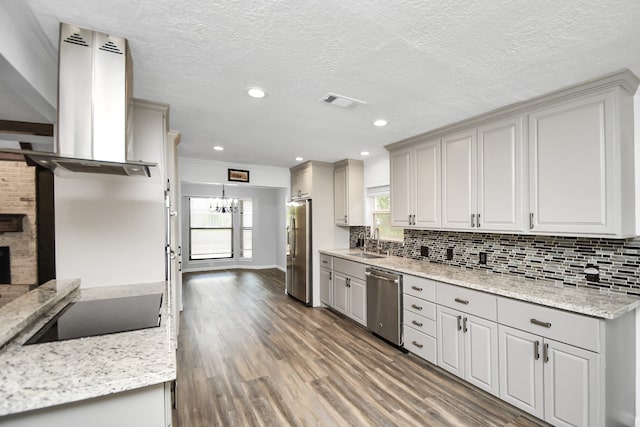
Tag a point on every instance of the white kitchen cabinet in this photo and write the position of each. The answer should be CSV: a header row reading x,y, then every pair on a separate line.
x,y
468,348
415,185
326,280
348,191
301,181
482,172
557,382
572,163
419,317
559,164
350,289
326,286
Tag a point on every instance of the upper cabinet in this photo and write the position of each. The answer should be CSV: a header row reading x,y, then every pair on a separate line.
x,y
415,185
574,147
574,160
482,171
348,192
301,181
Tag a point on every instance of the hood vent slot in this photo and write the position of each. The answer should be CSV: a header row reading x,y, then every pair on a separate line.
x,y
110,47
76,38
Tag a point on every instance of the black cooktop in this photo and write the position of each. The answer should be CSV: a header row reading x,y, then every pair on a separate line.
x,y
101,317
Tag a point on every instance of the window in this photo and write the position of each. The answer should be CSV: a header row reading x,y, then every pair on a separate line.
x,y
380,202
210,233
246,227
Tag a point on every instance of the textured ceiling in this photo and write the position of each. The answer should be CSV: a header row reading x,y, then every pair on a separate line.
x,y
419,64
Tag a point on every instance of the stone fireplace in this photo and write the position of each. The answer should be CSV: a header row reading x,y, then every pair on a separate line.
x,y
18,196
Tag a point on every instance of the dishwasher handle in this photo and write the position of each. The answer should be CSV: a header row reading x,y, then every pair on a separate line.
x,y
386,279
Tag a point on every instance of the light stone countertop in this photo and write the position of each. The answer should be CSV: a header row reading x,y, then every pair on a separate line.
x,y
591,302
42,375
22,311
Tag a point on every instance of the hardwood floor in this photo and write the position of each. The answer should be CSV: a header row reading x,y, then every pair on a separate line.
x,y
251,356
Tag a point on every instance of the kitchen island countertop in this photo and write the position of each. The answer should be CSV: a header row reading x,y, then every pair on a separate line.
x,y
603,304
54,373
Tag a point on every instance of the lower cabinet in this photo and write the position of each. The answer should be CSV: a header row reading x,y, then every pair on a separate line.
x,y
350,297
468,348
326,286
551,380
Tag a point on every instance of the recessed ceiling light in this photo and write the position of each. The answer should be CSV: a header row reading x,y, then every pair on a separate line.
x,y
218,148
380,122
364,153
256,92
299,159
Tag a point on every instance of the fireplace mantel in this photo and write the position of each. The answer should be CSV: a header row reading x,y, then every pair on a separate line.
x,y
11,222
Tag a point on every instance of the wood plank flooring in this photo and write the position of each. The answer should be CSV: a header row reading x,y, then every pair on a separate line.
x,y
251,356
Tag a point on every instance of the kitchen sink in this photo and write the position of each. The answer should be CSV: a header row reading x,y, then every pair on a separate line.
x,y
366,255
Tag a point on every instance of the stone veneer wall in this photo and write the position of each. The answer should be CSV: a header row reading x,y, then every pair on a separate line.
x,y
18,195
536,257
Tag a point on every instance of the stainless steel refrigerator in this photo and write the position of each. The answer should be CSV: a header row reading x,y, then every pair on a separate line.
x,y
299,250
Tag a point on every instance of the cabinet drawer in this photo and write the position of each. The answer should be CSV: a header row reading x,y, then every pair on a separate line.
x,y
420,344
420,323
570,328
419,287
473,302
419,306
326,261
350,268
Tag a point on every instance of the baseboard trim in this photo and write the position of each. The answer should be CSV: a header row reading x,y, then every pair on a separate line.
x,y
233,266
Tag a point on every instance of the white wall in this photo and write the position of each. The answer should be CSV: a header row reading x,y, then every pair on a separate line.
x,y
213,172
269,226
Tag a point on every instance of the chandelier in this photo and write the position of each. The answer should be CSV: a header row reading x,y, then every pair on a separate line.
x,y
224,204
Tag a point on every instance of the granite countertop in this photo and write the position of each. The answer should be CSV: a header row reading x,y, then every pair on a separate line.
x,y
42,375
591,302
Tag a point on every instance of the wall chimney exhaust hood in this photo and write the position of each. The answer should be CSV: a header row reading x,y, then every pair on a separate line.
x,y
95,91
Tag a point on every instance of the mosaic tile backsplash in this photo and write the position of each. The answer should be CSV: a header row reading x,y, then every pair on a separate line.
x,y
556,258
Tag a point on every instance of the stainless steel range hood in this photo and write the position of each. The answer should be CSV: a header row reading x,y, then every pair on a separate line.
x,y
95,91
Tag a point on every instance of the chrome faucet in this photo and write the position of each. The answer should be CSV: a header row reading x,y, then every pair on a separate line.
x,y
376,236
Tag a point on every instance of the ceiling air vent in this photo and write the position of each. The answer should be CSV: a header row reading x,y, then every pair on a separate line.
x,y
341,101
76,38
110,47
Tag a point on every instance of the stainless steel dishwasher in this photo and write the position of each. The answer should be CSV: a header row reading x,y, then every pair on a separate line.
x,y
384,304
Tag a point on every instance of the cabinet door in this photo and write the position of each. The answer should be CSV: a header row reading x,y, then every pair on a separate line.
x,y
458,180
304,182
520,364
326,287
571,166
426,192
401,187
340,196
450,341
340,293
572,385
481,353
499,178
358,300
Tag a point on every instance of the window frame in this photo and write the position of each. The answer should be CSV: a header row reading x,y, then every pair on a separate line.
x,y
372,193
191,229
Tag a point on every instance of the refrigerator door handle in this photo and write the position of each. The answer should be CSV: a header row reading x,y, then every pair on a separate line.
x,y
293,229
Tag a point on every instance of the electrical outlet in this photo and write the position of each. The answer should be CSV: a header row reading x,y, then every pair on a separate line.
x,y
483,258
592,272
424,251
450,254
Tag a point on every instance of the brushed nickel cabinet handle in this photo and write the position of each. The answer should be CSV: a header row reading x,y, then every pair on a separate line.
x,y
417,344
325,261
459,325
461,301
545,353
536,350
541,323
409,219
330,275
415,288
418,324
478,221
531,221
473,220
464,327
417,307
